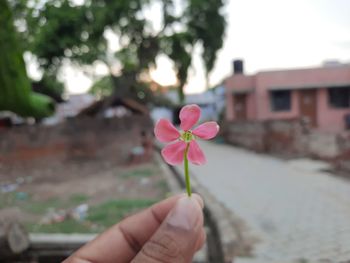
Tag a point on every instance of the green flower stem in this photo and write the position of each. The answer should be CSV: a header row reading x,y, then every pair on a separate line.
x,y
187,175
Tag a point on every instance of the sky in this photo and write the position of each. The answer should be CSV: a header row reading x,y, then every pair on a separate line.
x,y
267,35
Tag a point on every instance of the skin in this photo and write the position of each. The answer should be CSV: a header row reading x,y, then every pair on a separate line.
x,y
169,231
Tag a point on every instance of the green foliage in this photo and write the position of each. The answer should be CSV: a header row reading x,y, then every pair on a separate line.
x,y
58,29
64,31
178,48
102,87
138,91
15,88
50,86
207,25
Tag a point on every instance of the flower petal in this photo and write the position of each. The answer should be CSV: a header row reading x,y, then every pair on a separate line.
x,y
207,130
174,153
165,131
189,115
195,154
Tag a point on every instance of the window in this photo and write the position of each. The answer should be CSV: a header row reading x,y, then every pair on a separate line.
x,y
280,100
339,97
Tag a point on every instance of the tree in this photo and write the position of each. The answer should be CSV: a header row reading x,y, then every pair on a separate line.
x,y
15,87
59,30
140,92
26,20
49,86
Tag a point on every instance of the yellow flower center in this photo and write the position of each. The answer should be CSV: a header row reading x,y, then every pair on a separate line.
x,y
187,136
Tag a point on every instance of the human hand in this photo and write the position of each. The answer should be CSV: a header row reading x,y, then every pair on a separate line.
x,y
169,231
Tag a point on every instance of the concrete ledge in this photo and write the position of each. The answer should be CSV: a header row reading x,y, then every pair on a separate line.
x,y
63,240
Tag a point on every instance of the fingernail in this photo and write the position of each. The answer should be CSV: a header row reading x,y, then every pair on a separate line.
x,y
185,213
197,197
199,200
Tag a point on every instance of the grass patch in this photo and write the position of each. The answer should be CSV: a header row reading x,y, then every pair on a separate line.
x,y
67,226
40,207
138,173
43,206
27,204
7,200
99,217
78,198
112,211
13,198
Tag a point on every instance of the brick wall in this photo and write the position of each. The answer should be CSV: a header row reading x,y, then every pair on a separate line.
x,y
250,135
289,138
343,160
75,139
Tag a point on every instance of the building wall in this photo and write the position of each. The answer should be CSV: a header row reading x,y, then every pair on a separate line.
x,y
264,111
80,138
258,100
313,77
251,106
288,138
241,83
328,118
230,116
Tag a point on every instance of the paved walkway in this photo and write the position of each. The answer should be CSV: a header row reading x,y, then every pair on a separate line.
x,y
296,210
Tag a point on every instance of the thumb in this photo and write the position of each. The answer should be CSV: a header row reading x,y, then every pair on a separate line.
x,y
177,239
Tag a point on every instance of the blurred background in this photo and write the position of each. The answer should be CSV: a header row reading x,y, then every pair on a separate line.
x,y
83,81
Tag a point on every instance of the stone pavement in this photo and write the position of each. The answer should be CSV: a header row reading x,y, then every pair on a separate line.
x,y
299,213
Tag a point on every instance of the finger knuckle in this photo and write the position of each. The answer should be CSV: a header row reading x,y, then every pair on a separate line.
x,y
164,249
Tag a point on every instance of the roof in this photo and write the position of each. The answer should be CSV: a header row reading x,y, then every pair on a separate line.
x,y
113,101
312,78
311,86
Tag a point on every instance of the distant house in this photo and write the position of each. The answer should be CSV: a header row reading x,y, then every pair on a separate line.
x,y
70,108
114,106
319,96
211,101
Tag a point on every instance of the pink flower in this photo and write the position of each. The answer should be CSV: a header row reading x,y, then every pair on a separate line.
x,y
185,141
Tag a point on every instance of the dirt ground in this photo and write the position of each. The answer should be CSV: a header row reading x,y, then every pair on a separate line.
x,y
79,195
